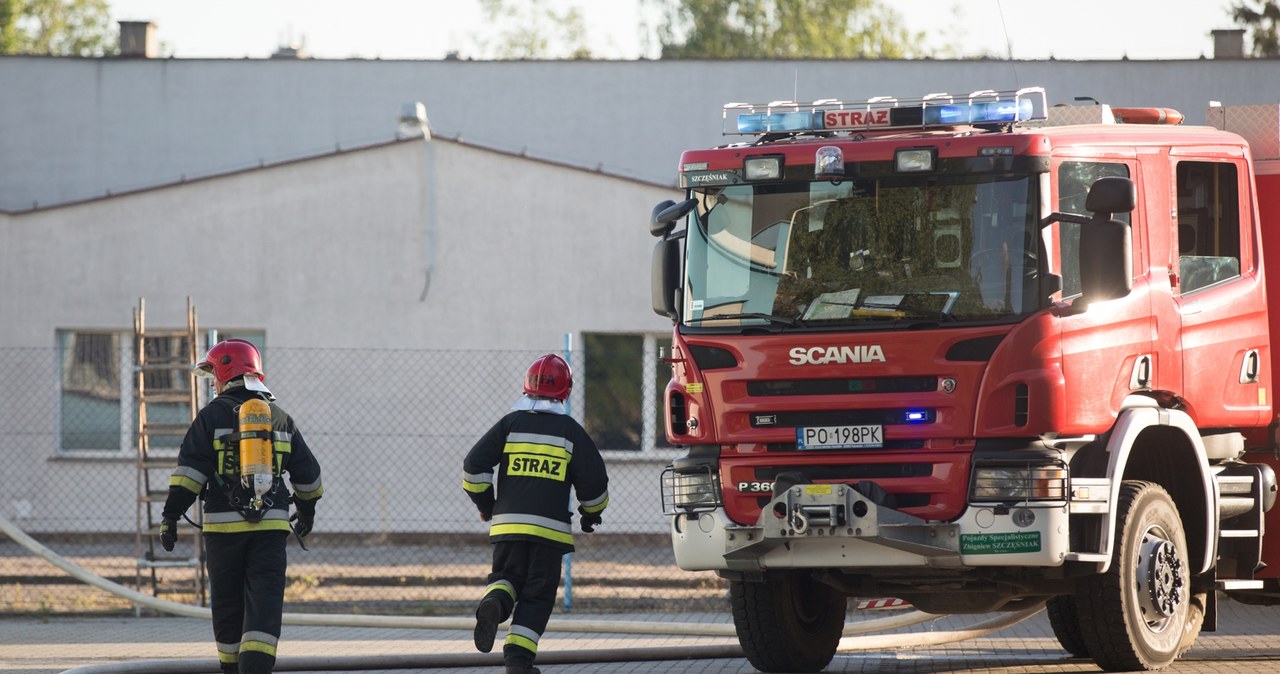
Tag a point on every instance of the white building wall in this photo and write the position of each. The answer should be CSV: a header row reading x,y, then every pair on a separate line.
x,y
334,252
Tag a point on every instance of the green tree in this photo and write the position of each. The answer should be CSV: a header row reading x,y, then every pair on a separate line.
x,y
788,29
529,27
56,27
1262,19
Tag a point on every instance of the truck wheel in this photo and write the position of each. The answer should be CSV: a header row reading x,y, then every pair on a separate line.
x,y
1138,615
789,623
1065,621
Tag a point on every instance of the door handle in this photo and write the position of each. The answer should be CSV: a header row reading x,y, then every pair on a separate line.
x,y
1250,367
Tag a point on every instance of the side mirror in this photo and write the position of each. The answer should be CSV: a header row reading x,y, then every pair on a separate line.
x,y
1106,261
666,213
665,277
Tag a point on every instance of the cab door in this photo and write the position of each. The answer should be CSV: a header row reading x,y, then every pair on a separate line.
x,y
1107,349
1219,291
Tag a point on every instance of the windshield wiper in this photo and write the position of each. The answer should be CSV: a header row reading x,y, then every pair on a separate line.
x,y
776,320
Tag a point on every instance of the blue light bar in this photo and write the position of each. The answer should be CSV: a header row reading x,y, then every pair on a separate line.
x,y
983,112
915,416
765,122
835,116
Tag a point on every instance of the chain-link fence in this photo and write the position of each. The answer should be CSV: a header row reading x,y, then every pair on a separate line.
x,y
395,533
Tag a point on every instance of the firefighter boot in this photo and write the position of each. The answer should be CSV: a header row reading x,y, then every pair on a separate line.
x,y
523,669
488,615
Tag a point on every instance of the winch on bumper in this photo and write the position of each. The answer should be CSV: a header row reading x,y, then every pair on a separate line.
x,y
842,526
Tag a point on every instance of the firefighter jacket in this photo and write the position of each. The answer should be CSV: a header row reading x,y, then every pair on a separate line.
x,y
539,457
209,468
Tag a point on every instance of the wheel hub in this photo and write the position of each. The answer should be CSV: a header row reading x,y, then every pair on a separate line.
x,y
1160,579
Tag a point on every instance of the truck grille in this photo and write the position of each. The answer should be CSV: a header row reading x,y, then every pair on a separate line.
x,y
884,417
843,386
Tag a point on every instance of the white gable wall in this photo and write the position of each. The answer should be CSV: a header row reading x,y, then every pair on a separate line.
x,y
334,252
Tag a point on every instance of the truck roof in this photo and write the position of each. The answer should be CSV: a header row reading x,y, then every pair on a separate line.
x,y
1018,118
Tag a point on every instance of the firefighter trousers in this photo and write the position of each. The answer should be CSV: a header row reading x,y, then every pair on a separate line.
x,y
246,595
525,577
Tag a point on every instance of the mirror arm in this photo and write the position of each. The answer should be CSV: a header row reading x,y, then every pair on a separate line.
x,y
1064,217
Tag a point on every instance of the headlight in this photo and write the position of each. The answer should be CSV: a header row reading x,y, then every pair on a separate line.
x,y
914,160
1019,483
762,168
690,491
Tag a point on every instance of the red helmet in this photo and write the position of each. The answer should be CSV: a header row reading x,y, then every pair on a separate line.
x,y
229,359
549,377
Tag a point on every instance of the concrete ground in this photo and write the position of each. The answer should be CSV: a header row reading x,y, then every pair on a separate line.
x,y
1248,640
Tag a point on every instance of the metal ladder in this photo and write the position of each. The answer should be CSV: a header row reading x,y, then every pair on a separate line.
x,y
167,401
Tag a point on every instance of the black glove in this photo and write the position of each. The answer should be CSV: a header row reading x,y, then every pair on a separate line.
x,y
304,517
589,521
168,533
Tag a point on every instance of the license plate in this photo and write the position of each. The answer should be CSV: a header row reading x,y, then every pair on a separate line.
x,y
839,437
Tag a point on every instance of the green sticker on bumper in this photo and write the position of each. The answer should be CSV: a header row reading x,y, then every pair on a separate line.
x,y
997,544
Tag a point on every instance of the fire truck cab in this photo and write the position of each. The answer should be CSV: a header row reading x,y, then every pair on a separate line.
x,y
975,352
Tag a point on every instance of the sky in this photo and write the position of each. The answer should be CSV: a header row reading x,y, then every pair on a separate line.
x,y
430,29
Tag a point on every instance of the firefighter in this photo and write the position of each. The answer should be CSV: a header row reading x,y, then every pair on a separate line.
x,y
233,458
539,452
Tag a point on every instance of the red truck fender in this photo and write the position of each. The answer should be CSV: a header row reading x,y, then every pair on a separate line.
x,y
1138,414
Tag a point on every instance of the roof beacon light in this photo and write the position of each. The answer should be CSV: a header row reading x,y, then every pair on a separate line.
x,y
982,112
833,116
774,122
828,162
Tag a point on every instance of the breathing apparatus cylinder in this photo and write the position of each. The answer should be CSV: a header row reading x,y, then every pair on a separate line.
x,y
256,474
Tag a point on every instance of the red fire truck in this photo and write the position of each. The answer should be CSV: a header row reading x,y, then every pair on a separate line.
x,y
975,352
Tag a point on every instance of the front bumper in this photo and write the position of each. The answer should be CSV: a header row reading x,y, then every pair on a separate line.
x,y
834,526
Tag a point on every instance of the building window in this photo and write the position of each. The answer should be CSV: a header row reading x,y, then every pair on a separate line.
x,y
622,384
98,389
91,385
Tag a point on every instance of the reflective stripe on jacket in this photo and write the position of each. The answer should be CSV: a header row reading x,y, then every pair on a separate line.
x,y
536,460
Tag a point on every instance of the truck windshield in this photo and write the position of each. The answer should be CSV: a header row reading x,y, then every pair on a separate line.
x,y
863,251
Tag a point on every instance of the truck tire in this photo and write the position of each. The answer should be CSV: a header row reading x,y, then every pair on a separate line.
x,y
1065,621
1139,614
789,623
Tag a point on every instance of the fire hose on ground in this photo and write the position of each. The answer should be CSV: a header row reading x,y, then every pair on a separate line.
x,y
857,636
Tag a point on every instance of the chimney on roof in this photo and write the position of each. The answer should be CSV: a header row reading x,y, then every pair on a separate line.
x,y
1228,43
138,39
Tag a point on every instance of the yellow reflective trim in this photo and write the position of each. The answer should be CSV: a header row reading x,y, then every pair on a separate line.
x,y
475,487
228,658
240,527
597,507
523,642
282,447
501,585
259,647
535,448
310,495
185,483
526,529
537,466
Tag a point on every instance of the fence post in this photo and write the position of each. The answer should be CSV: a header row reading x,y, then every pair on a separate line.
x,y
568,559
